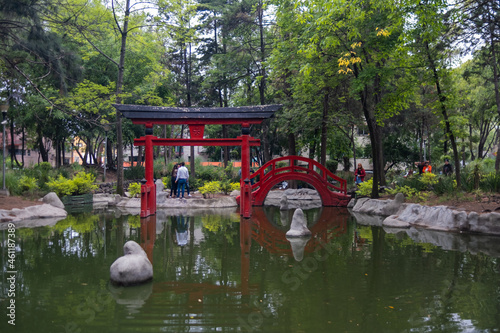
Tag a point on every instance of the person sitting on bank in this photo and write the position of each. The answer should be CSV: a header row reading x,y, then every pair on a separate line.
x,y
359,174
427,167
447,168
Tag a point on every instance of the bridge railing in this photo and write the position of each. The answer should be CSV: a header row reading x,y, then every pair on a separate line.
x,y
298,164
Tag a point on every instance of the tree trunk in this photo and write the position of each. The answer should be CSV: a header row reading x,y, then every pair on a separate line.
x,y
119,90
41,148
324,129
442,100
495,81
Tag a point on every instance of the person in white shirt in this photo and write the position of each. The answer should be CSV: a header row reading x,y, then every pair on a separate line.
x,y
181,180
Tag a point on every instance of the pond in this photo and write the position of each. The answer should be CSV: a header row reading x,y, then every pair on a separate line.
x,y
216,273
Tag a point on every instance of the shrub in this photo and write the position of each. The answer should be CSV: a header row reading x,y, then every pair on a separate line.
x,y
134,189
409,193
428,179
62,186
365,188
332,166
490,182
82,183
28,184
160,168
166,181
133,173
227,187
210,188
12,182
445,185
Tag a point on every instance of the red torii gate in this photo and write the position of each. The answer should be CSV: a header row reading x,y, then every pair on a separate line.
x,y
196,119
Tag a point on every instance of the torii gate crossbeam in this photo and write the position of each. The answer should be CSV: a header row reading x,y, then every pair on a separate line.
x,y
196,119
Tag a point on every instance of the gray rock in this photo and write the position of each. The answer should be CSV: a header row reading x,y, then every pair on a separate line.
x,y
133,268
485,223
351,203
298,227
159,186
284,202
393,222
32,213
52,199
393,206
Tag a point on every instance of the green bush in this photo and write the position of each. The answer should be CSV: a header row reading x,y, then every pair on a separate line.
x,y
409,193
82,183
210,188
445,185
227,187
332,166
160,168
133,173
365,188
490,182
62,186
28,184
12,182
134,189
166,181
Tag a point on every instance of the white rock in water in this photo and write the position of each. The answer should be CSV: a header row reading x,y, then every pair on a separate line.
x,y
299,225
133,268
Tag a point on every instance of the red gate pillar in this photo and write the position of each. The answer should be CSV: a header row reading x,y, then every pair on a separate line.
x,y
245,186
148,190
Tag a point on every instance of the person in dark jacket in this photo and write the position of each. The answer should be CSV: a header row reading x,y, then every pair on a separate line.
x,y
447,168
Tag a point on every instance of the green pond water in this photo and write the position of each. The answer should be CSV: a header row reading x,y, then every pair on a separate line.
x,y
215,272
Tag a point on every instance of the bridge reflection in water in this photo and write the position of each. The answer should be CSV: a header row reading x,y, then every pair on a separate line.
x,y
267,228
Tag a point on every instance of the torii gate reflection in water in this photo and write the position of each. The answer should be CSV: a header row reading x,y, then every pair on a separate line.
x,y
331,222
196,119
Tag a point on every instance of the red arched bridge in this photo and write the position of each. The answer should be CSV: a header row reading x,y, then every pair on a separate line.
x,y
331,188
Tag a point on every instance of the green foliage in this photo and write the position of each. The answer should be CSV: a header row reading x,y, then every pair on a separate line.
x,y
84,183
428,179
134,173
12,182
472,174
332,165
81,183
210,188
28,184
134,189
365,188
490,182
160,169
445,185
414,182
62,186
227,187
409,193
166,181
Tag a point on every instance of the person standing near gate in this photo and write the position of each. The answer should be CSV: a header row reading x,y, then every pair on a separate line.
x,y
181,180
173,183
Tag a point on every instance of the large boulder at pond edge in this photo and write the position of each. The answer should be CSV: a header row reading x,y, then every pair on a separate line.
x,y
52,199
133,268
